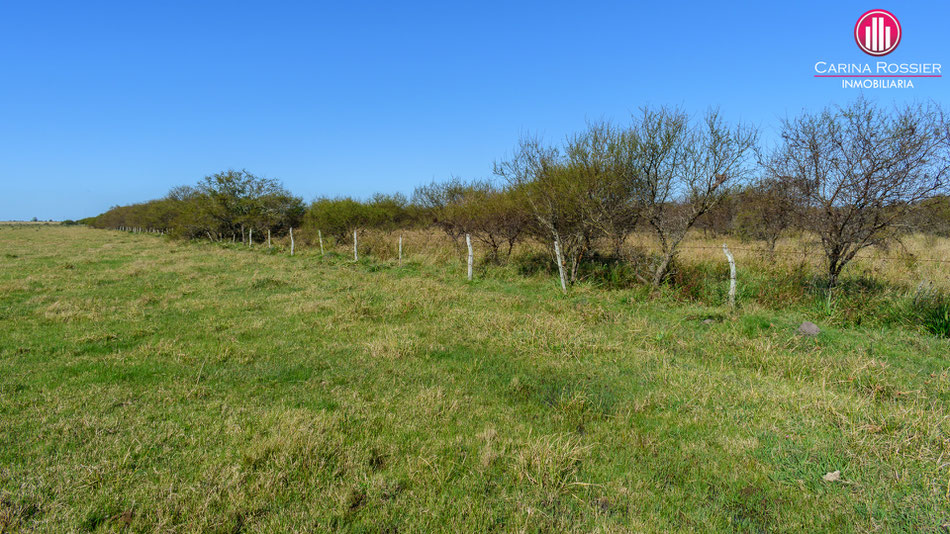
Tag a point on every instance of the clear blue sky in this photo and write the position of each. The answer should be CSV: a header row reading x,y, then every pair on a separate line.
x,y
105,103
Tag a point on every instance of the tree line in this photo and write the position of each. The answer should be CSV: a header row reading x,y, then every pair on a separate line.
x,y
853,176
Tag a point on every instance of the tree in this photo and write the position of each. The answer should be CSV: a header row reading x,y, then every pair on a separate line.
x,y
602,161
492,215
340,217
555,193
238,198
277,212
389,212
442,202
766,209
590,188
686,170
498,219
337,217
859,169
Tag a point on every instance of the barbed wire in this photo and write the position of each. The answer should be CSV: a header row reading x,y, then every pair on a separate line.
x,y
802,253
767,252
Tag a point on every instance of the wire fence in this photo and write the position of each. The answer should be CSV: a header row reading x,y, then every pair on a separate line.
x,y
802,253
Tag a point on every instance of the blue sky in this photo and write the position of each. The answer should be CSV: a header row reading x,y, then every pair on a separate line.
x,y
105,103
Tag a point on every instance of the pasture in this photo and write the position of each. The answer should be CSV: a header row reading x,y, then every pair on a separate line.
x,y
151,385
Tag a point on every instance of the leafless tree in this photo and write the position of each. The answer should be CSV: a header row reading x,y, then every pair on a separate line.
x,y
685,170
859,169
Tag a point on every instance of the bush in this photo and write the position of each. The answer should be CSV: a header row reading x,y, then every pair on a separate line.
x,y
339,217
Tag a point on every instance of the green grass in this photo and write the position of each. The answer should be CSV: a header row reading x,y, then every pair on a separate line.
x,y
149,385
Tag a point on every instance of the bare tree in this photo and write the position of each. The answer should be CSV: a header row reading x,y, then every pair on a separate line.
x,y
686,169
859,169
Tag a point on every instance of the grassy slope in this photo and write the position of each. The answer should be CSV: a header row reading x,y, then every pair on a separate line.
x,y
187,387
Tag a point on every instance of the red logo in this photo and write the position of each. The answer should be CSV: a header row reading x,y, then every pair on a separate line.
x,y
877,32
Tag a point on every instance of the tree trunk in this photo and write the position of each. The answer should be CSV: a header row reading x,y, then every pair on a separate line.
x,y
662,270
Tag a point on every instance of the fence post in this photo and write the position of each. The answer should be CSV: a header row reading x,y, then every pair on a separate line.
x,y
560,265
250,237
320,236
291,240
400,248
356,255
471,255
732,276
268,238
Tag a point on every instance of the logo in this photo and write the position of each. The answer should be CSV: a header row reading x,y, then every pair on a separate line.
x,y
877,32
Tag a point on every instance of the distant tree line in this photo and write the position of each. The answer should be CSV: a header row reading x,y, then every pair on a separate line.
x,y
853,176
221,206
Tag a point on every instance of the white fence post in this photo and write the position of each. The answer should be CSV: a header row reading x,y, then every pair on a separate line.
x,y
320,236
291,240
268,238
400,248
356,255
560,265
250,237
732,276
471,255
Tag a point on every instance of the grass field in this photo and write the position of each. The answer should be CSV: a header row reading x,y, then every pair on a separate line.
x,y
151,385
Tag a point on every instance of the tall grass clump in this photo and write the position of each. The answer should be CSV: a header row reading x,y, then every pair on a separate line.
x,y
931,311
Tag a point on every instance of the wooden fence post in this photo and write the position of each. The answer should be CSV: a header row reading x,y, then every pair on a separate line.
x,y
400,248
320,237
732,276
356,255
471,255
560,265
250,237
291,240
268,238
